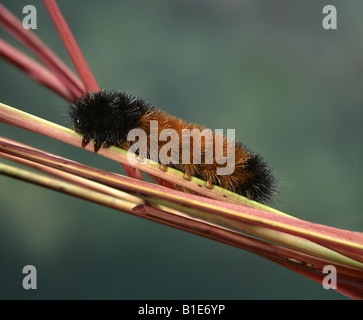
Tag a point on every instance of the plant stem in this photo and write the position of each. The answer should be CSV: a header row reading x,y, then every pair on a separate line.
x,y
34,70
71,46
27,38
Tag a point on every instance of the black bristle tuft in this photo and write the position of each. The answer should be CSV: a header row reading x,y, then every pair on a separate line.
x,y
106,116
261,186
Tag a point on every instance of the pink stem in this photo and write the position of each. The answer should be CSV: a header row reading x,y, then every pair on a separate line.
x,y
70,43
27,38
78,61
34,70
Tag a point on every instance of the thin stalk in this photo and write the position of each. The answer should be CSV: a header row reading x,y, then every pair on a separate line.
x,y
27,38
34,70
77,180
67,188
71,46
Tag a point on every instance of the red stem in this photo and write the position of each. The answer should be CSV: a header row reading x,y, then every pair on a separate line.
x,y
28,39
35,70
78,61
71,45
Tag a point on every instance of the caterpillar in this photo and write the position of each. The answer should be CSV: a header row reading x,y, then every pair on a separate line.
x,y
108,116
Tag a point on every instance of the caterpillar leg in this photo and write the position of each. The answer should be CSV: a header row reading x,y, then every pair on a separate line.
x,y
85,141
187,176
97,145
208,184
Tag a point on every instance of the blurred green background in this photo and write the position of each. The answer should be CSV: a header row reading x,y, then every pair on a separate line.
x,y
293,92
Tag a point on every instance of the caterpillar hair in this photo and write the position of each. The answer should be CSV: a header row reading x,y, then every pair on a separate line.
x,y
108,116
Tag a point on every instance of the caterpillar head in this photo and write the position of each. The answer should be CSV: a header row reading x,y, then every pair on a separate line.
x,y
106,117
